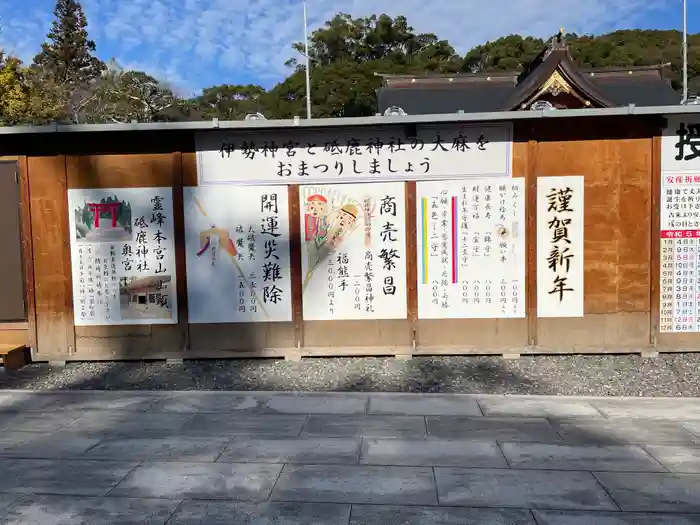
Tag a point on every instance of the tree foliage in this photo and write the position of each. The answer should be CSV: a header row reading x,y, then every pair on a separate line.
x,y
68,82
125,96
14,95
65,69
67,57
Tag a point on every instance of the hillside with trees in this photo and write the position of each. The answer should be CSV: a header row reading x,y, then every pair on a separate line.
x,y
67,82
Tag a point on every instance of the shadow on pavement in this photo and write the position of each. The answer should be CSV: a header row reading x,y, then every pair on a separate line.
x,y
550,447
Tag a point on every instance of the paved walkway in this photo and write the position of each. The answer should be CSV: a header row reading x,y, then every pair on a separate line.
x,y
193,458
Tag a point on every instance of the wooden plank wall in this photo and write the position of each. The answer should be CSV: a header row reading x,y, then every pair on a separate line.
x,y
477,336
23,333
128,171
619,165
55,337
246,339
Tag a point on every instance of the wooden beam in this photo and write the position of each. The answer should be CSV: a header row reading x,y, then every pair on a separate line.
x,y
655,214
531,241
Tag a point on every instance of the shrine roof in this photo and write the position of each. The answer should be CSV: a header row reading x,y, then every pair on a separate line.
x,y
507,91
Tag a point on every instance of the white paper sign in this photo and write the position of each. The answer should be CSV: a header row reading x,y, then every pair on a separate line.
x,y
123,256
354,251
560,246
237,242
354,155
680,246
471,248
680,144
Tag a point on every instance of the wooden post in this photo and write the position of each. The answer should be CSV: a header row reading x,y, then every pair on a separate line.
x,y
295,263
531,240
180,252
412,262
53,289
655,266
27,249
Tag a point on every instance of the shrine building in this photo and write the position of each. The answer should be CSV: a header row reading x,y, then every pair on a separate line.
x,y
551,81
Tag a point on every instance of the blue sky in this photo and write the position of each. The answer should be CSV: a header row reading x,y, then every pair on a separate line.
x,y
198,43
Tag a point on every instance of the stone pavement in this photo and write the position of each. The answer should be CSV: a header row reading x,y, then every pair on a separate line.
x,y
203,458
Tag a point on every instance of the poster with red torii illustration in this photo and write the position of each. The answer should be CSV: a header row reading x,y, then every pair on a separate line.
x,y
123,256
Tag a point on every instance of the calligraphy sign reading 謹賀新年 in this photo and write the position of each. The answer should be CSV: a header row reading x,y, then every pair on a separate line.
x,y
560,246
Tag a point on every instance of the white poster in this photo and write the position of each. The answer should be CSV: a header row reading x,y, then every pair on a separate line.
x,y
354,251
471,248
680,252
237,243
357,155
560,246
680,144
123,256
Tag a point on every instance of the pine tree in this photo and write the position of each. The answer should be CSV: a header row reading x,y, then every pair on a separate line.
x,y
67,57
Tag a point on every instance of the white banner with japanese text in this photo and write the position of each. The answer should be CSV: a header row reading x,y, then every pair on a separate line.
x,y
680,144
560,231
353,251
354,155
122,256
471,248
679,307
237,243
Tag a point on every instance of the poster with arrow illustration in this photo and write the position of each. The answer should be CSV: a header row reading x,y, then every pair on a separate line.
x,y
237,244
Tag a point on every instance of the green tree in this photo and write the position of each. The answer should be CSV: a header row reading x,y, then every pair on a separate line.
x,y
66,67
68,56
373,38
509,53
14,95
120,95
230,102
346,55
639,48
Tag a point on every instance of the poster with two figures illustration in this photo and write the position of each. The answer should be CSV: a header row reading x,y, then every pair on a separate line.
x,y
353,251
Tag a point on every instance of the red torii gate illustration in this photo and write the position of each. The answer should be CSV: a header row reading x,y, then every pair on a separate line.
x,y
100,207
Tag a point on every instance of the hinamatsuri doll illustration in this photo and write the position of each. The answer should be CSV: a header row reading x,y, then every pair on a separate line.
x,y
329,218
214,236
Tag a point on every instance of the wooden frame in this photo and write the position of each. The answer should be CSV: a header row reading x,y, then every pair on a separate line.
x,y
49,291
29,326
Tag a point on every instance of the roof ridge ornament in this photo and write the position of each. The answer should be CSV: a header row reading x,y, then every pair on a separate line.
x,y
556,43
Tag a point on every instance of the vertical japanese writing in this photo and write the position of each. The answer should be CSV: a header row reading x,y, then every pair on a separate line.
x,y
270,232
91,288
158,220
390,242
368,206
330,286
82,282
560,252
560,255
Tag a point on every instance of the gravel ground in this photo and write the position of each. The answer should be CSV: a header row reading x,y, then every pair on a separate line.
x,y
630,375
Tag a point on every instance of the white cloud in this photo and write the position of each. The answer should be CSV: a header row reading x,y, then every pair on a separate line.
x,y
236,40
